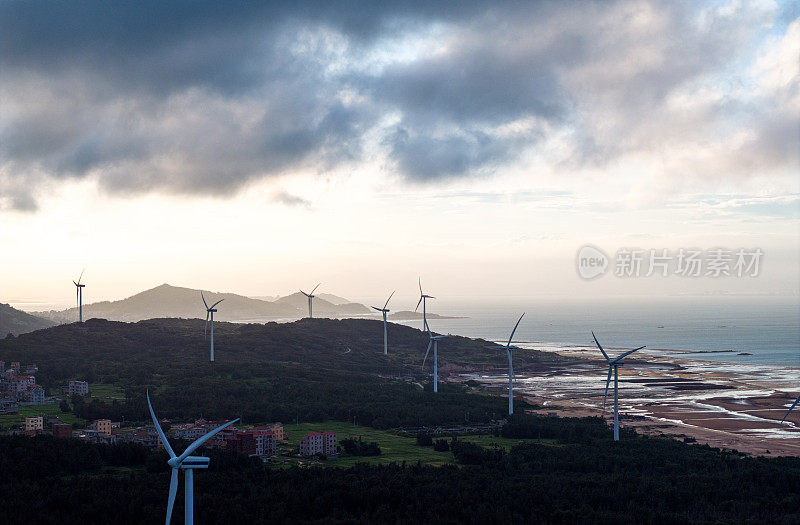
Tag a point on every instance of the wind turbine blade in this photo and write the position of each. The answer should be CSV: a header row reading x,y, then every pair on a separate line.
x,y
302,292
73,282
173,489
420,286
790,410
387,300
215,304
81,277
430,297
430,342
312,290
601,348
204,299
158,428
628,353
605,394
198,442
420,302
376,308
515,329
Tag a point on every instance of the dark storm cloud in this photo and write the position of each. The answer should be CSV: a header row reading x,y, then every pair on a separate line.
x,y
204,97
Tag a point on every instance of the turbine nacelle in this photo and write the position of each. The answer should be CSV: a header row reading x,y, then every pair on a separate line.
x,y
193,462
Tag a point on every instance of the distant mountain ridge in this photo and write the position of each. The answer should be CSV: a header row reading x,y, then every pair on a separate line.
x,y
13,321
175,301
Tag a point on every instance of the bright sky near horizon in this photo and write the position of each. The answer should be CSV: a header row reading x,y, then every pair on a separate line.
x,y
265,148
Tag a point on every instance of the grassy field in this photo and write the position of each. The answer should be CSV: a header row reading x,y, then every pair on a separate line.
x,y
16,420
106,392
394,448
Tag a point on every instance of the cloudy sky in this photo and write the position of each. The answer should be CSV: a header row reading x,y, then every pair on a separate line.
x,y
260,147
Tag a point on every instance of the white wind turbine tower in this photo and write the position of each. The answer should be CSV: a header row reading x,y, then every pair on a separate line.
x,y
614,364
186,463
210,312
790,409
310,300
385,311
79,295
434,340
422,299
509,348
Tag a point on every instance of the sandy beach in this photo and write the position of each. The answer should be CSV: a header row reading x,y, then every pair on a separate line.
x,y
724,405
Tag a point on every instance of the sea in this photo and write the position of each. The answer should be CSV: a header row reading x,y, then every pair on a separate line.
x,y
761,330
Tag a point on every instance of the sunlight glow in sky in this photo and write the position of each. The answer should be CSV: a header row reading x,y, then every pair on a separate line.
x,y
262,150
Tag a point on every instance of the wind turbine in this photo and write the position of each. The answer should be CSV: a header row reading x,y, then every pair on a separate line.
x,y
385,311
79,295
310,300
210,312
614,364
422,299
434,340
509,348
186,463
790,409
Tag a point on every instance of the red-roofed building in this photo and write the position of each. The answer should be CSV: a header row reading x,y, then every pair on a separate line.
x,y
21,383
257,441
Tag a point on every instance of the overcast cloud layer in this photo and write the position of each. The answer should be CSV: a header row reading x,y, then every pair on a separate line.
x,y
205,97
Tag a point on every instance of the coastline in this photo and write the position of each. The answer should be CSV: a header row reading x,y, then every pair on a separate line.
x,y
722,404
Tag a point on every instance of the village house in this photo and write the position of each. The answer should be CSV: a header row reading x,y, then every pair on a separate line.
x,y
36,394
62,431
102,425
78,388
8,405
33,424
319,443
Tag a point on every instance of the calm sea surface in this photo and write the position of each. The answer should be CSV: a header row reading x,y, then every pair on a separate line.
x,y
716,328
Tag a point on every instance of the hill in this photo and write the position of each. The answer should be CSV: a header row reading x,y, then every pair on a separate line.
x,y
312,369
175,301
13,321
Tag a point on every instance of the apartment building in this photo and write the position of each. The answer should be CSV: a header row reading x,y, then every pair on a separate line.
x,y
34,423
78,388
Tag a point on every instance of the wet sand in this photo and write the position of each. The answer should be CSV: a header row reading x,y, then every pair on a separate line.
x,y
724,405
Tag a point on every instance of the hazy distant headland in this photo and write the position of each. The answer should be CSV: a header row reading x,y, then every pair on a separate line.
x,y
407,315
175,301
13,321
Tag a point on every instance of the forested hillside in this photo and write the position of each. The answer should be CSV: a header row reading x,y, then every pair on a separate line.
x,y
311,370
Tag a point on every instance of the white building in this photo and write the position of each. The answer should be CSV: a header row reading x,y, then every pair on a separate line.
x,y
311,444
78,388
36,394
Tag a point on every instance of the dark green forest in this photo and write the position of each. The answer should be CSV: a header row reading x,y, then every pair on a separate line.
x,y
588,480
310,370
